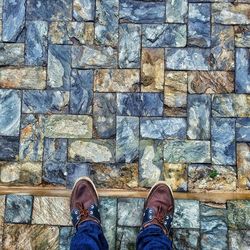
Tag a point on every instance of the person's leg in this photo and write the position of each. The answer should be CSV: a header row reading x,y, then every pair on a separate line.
x,y
157,219
85,216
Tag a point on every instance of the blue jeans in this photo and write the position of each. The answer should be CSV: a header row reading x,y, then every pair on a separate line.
x,y
89,236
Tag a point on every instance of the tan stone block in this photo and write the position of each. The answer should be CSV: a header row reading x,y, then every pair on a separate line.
x,y
68,126
51,211
116,80
23,78
18,236
152,69
175,93
243,165
28,173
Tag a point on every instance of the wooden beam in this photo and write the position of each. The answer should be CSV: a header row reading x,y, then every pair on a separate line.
x,y
208,196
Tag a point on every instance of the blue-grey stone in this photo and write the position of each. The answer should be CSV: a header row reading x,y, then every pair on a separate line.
x,y
142,12
164,35
59,66
104,115
45,101
243,129
223,141
199,24
129,45
126,237
75,171
127,139
18,208
9,148
11,54
163,128
83,10
242,73
238,239
106,25
199,112
187,58
213,223
176,11
36,43
49,10
10,111
65,236
140,104
55,150
81,91
13,19
242,35
186,239
54,172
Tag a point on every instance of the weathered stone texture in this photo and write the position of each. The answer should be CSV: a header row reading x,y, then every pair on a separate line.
x,y
242,35
11,54
176,11
9,146
243,129
83,10
186,239
238,239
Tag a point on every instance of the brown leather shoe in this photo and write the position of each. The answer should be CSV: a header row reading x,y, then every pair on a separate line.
x,y
159,207
84,202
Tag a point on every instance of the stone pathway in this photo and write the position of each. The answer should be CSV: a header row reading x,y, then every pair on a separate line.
x,y
128,93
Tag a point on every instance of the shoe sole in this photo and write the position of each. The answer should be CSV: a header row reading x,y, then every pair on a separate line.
x,y
85,178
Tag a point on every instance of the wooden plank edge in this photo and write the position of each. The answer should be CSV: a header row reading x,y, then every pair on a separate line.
x,y
208,196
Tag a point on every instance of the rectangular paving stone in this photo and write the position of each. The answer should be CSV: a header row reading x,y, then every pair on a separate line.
x,y
223,141
238,214
127,207
199,24
81,91
127,139
68,126
19,173
209,82
243,129
186,151
140,104
18,209
36,43
9,147
242,35
176,176
93,57
10,111
186,239
54,172
229,13
211,177
83,10
176,11
45,101
71,32
243,165
23,77
2,206
65,236
199,112
238,239
94,150
164,35
231,105
126,237
152,69
59,66
213,223
106,22
187,59
175,93
31,137
51,211
187,214
11,54
141,12
163,128
242,73
104,115
116,80
60,10
13,19
55,150
150,162
119,175
129,45
27,236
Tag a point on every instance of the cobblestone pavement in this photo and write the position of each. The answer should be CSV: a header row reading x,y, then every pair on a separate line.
x,y
128,93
